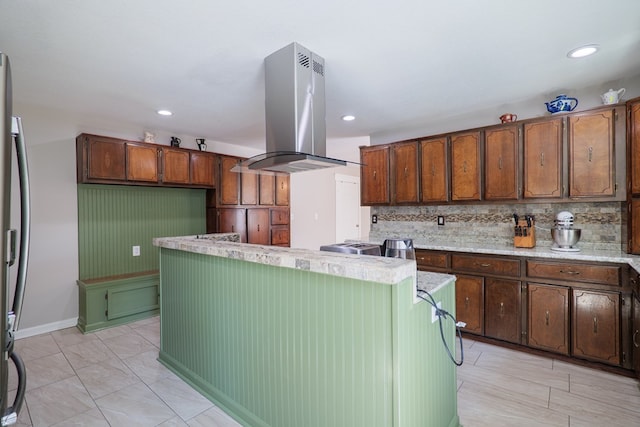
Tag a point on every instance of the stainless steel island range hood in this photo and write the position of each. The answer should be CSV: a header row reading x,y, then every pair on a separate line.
x,y
294,113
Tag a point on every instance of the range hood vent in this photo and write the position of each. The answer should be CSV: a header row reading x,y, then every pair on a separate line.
x,y
295,115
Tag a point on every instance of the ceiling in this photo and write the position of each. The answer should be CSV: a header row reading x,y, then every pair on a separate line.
x,y
394,65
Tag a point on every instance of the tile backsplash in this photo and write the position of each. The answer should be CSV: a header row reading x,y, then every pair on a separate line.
x,y
603,224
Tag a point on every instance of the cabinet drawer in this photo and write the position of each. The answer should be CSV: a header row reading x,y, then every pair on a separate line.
x,y
429,259
591,273
280,236
487,265
279,216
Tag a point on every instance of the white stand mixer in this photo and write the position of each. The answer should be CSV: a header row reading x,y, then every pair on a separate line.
x,y
564,235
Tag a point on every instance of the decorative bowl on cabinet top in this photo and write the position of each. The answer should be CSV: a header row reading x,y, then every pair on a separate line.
x,y
562,103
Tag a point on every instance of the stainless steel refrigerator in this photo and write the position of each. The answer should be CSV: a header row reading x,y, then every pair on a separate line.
x,y
11,136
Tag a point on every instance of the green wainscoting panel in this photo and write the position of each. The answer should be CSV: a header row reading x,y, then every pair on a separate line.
x,y
289,348
114,218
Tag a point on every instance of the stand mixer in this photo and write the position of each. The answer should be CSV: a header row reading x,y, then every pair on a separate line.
x,y
563,234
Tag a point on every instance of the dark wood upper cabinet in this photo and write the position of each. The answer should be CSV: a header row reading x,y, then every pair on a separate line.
x,y
501,163
142,162
228,182
100,158
465,166
543,159
591,154
203,167
267,194
434,171
633,135
374,175
248,189
404,163
282,190
175,166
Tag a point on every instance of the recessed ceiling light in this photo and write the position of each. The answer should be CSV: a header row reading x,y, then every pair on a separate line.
x,y
582,51
165,112
348,118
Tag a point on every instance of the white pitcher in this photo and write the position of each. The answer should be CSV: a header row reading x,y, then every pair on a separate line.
x,y
613,96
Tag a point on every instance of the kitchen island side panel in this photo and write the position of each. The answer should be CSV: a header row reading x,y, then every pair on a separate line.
x,y
425,386
277,346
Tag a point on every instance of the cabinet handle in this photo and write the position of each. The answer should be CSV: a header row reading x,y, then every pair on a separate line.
x,y
500,163
233,229
421,258
590,153
484,264
635,343
501,309
282,185
569,272
258,227
546,318
433,170
542,158
595,325
374,174
466,302
464,166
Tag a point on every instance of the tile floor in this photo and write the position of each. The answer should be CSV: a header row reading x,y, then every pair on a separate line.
x,y
112,378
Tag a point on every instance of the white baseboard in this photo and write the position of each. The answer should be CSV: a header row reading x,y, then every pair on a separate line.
x,y
48,327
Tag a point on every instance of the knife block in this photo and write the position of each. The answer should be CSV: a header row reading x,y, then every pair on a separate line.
x,y
522,241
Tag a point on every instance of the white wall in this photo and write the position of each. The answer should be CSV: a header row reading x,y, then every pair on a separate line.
x,y
51,297
313,197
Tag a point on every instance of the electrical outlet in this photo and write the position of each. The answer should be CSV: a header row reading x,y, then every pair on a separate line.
x,y
440,220
374,219
434,316
136,250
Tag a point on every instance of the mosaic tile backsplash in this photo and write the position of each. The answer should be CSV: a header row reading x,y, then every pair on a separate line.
x,y
603,224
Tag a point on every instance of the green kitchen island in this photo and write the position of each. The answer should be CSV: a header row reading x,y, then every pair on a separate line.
x,y
299,338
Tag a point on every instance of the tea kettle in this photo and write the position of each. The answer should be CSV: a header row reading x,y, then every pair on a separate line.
x,y
613,96
562,103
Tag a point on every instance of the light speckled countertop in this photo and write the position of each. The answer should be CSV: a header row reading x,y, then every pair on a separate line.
x,y
363,267
539,252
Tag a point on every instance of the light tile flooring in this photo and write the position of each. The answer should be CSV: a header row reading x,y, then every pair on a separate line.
x,y
112,378
502,387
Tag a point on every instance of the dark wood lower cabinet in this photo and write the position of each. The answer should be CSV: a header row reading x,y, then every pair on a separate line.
x,y
596,326
635,335
233,220
502,309
548,317
258,226
470,303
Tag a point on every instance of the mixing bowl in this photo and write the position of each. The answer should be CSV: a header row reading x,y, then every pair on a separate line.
x,y
565,238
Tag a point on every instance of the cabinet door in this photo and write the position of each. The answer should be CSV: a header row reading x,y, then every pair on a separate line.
x,y
105,158
233,220
405,172
374,175
501,163
249,189
142,162
635,335
258,226
282,190
596,326
175,166
502,309
591,154
267,190
465,166
203,169
279,216
548,317
633,207
228,182
433,175
634,140
470,302
280,236
543,159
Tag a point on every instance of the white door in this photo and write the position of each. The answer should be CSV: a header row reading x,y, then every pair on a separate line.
x,y
347,207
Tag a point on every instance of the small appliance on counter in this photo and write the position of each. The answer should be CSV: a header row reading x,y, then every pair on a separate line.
x,y
524,232
353,248
399,248
563,234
